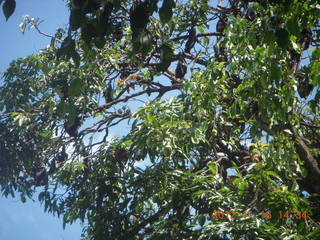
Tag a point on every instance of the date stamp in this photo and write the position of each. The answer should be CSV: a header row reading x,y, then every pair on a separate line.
x,y
221,215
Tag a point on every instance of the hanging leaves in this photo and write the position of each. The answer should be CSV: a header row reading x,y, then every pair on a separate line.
x,y
8,8
282,36
87,32
166,11
76,19
143,43
75,87
68,50
166,53
139,17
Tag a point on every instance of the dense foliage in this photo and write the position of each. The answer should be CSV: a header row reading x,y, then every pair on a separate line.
x,y
222,100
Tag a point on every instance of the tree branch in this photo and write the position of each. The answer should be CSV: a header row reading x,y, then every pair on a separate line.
x,y
149,220
125,99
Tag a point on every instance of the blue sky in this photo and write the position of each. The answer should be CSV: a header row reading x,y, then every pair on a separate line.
x,y
28,220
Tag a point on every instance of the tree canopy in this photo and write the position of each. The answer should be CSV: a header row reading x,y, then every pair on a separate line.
x,y
217,104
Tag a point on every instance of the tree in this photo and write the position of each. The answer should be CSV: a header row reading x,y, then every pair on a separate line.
x,y
234,154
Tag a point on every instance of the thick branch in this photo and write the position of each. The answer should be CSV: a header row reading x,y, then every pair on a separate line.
x,y
306,156
310,162
149,220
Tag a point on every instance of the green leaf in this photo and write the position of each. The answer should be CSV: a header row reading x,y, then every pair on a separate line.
x,y
275,72
41,196
315,65
212,168
46,205
315,234
282,36
150,118
62,108
75,87
293,26
46,134
269,36
201,220
65,221
72,110
201,28
23,198
242,185
8,8
165,11
22,27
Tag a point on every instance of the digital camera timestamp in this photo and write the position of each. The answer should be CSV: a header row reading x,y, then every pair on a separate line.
x,y
264,214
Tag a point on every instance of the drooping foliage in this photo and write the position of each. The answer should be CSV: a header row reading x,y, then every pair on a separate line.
x,y
216,105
